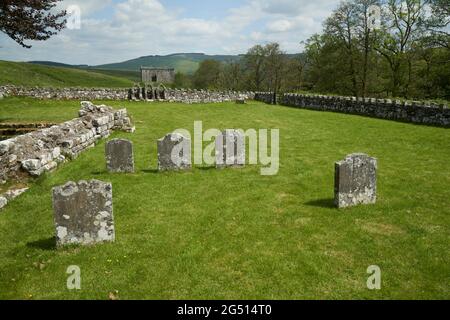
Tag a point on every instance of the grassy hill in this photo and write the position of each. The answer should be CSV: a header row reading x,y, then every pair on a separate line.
x,y
182,62
27,74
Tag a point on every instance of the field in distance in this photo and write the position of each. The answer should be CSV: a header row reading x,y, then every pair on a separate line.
x,y
27,74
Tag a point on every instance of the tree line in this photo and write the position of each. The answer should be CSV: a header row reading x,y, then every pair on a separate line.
x,y
395,48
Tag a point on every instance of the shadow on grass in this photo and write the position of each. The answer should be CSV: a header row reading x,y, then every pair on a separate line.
x,y
99,173
322,203
43,244
206,168
150,171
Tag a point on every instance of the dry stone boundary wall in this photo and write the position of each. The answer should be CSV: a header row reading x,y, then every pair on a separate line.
x,y
414,112
89,94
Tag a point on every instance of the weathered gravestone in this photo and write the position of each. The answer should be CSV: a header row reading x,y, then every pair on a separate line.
x,y
174,152
83,213
119,156
230,149
355,181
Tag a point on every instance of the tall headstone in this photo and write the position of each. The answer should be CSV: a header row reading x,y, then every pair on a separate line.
x,y
119,156
83,213
355,181
174,152
230,149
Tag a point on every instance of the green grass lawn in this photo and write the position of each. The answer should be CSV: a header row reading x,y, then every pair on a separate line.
x,y
234,234
27,74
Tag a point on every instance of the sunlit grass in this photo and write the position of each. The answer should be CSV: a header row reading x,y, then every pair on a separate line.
x,y
235,234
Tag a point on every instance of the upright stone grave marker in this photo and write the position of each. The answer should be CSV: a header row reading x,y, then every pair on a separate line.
x,y
119,156
83,213
230,149
174,153
355,181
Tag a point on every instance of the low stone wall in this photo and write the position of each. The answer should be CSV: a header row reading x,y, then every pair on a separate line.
x,y
266,97
415,112
205,96
137,93
34,153
65,93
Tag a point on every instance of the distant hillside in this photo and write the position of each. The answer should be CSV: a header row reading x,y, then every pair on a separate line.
x,y
27,74
134,76
186,63
58,64
182,62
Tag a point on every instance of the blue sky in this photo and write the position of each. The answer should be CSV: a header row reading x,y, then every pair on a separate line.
x,y
117,30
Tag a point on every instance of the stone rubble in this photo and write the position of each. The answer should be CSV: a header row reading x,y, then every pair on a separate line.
x,y
10,195
40,151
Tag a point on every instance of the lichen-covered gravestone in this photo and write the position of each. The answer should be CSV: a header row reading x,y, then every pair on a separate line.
x,y
83,213
355,181
230,149
174,152
119,156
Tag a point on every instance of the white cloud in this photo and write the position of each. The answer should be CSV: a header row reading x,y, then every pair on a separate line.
x,y
143,27
88,8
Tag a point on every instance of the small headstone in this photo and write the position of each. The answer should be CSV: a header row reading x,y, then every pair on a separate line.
x,y
83,213
240,101
230,149
119,156
174,153
355,181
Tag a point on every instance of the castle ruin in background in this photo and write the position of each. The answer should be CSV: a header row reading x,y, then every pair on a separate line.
x,y
160,75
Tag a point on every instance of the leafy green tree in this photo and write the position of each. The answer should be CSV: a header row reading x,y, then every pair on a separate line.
x,y
208,75
274,64
254,65
25,20
232,76
182,80
402,28
340,27
437,24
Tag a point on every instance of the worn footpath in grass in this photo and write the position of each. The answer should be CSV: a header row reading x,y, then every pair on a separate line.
x,y
234,234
